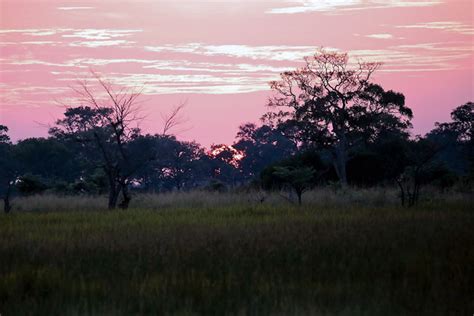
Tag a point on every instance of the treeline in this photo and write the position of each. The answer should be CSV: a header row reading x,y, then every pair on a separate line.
x,y
328,124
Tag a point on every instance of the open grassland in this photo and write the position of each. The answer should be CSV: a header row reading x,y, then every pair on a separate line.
x,y
226,254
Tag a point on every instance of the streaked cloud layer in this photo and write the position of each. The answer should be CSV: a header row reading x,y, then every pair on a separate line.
x,y
216,52
332,6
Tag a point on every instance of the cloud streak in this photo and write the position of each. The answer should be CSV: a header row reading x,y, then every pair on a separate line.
x,y
74,8
446,26
304,6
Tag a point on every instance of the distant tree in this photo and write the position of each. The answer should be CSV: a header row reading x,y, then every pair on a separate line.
x,y
9,168
332,104
177,164
4,138
180,165
48,158
271,178
298,179
462,125
224,162
380,161
456,140
260,147
29,184
421,168
108,124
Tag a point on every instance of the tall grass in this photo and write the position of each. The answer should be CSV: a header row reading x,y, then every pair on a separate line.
x,y
194,254
322,198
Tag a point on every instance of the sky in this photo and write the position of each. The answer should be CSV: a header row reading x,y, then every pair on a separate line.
x,y
219,55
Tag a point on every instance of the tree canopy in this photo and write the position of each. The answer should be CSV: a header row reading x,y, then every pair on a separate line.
x,y
331,103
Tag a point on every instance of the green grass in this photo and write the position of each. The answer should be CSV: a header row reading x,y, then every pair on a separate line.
x,y
240,259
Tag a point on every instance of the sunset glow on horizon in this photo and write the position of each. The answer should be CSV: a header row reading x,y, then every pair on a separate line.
x,y
219,56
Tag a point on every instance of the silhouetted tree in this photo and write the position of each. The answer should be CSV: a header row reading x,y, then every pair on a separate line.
x,y
179,164
4,138
462,124
298,179
260,147
49,159
456,140
310,159
108,124
224,161
420,169
332,104
8,168
380,160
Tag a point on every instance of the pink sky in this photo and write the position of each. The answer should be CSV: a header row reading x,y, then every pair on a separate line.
x,y
220,54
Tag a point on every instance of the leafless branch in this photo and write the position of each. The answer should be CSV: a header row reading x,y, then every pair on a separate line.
x,y
174,119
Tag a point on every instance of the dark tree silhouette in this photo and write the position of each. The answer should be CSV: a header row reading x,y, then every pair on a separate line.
x,y
261,146
462,124
456,141
332,104
8,168
420,169
108,123
298,179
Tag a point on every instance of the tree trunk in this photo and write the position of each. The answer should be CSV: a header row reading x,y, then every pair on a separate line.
x,y
6,205
6,201
340,162
299,193
114,192
126,197
402,192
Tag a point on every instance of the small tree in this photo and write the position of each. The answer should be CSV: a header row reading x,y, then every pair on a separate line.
x,y
419,170
298,179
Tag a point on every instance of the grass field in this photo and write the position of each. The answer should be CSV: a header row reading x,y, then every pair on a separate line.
x,y
227,255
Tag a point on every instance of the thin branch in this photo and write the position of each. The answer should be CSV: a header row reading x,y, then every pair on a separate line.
x,y
174,118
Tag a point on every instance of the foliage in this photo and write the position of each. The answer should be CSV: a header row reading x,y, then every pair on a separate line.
x,y
9,168
299,179
419,170
309,159
29,184
333,105
261,146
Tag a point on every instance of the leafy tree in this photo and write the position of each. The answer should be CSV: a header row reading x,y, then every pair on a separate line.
x,y
421,168
379,161
261,146
456,141
48,158
271,178
180,165
9,168
333,105
4,138
462,125
299,179
224,162
177,164
29,184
